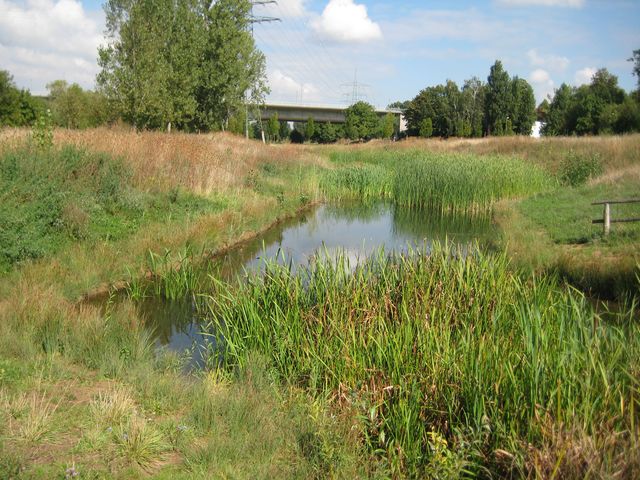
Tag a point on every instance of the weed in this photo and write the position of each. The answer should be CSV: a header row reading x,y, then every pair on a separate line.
x,y
576,169
113,407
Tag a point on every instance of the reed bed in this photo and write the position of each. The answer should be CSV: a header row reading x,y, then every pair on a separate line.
x,y
454,365
445,182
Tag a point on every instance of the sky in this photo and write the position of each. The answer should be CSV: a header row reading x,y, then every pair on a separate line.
x,y
392,49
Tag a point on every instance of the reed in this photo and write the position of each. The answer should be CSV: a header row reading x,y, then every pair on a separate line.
x,y
445,182
452,362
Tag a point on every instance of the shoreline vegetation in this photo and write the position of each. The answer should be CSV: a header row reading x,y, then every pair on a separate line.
x,y
400,372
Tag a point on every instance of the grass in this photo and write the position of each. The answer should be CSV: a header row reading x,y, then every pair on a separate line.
x,y
450,362
189,195
418,179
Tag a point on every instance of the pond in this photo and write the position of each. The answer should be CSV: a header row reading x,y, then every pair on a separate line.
x,y
353,230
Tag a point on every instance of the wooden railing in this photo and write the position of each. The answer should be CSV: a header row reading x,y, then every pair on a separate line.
x,y
606,217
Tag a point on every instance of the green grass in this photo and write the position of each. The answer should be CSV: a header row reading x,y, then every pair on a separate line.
x,y
452,364
445,182
49,199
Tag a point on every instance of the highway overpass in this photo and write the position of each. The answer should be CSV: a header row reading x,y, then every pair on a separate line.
x,y
319,113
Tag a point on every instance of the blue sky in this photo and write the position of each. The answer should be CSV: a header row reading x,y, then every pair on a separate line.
x,y
396,47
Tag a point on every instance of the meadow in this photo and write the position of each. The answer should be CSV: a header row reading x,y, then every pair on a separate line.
x,y
493,365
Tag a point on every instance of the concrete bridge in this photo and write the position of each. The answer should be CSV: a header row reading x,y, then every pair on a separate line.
x,y
319,113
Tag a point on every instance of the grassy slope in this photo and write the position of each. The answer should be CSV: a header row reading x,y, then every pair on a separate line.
x,y
62,365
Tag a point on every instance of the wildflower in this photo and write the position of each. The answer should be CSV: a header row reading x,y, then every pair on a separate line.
x,y
71,472
125,437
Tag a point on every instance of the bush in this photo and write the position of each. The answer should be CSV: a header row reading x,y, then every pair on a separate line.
x,y
576,169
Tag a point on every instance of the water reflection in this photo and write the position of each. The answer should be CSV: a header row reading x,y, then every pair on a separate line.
x,y
352,230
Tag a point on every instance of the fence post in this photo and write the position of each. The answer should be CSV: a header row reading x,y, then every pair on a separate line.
x,y
607,219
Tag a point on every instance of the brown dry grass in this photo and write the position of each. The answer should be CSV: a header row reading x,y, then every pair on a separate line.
x,y
616,151
200,163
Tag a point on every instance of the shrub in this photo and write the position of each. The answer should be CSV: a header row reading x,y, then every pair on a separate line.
x,y
576,169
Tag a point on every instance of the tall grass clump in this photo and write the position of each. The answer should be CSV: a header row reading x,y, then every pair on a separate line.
x,y
359,182
446,182
463,182
455,365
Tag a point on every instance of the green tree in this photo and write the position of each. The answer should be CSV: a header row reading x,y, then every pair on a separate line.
x,y
388,125
285,130
426,128
361,121
273,128
187,63
523,107
543,110
232,70
17,107
558,114
473,93
309,129
498,99
135,72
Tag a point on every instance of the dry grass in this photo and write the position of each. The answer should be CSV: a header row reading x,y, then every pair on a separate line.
x,y
616,151
200,163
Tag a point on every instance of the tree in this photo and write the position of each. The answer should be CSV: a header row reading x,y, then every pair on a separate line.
x,y
388,125
273,128
543,110
498,99
473,93
400,105
309,129
188,63
558,115
523,108
361,121
285,130
232,71
426,128
17,107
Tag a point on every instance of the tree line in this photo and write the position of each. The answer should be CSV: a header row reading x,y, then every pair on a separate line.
x,y
601,107
501,106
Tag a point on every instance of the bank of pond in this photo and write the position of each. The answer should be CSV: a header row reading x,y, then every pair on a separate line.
x,y
452,361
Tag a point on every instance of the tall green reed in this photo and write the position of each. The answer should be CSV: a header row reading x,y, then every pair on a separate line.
x,y
446,182
439,347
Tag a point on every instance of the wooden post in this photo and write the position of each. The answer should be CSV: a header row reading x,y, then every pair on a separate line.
x,y
607,219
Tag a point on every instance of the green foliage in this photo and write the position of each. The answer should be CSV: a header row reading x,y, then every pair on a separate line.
x,y
309,129
73,107
577,169
273,128
50,196
385,339
361,121
426,128
388,125
17,107
285,131
442,182
601,107
499,99
189,64
42,132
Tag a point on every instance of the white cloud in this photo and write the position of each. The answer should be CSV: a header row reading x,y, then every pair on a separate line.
x,y
584,76
285,87
344,21
550,62
543,3
542,83
44,40
284,9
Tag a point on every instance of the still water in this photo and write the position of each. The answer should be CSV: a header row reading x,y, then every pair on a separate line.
x,y
353,230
